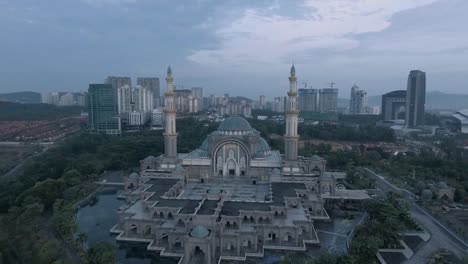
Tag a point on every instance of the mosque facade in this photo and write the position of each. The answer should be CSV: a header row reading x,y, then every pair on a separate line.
x,y
231,198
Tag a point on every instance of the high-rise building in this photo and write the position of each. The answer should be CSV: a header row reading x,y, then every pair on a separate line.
x,y
262,102
197,95
328,100
307,99
157,118
124,101
415,98
358,101
393,104
151,83
278,104
117,82
135,104
103,116
66,100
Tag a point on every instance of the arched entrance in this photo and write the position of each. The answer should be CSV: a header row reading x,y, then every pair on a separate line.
x,y
231,167
230,158
198,256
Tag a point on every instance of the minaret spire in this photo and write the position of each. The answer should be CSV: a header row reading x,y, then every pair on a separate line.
x,y
170,134
291,137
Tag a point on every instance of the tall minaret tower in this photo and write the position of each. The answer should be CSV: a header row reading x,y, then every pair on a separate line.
x,y
170,135
291,137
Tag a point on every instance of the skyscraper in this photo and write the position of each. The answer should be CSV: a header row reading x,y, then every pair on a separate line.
x,y
117,82
358,101
393,103
415,98
102,112
308,99
262,102
328,100
151,83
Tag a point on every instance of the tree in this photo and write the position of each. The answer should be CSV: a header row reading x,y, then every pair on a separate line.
x,y
427,195
101,253
45,252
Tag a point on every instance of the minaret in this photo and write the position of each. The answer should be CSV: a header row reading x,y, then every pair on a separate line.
x,y
170,135
291,137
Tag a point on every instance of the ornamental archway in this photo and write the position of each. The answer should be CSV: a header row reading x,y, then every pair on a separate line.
x,y
230,158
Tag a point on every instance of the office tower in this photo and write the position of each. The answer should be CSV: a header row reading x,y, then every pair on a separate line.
x,y
328,100
102,112
262,102
307,99
393,103
151,83
415,98
358,101
117,82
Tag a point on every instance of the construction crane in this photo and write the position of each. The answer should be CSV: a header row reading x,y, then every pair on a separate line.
x,y
331,84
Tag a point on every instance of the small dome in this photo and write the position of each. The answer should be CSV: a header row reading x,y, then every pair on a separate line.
x,y
315,157
442,185
199,232
263,145
134,175
235,123
150,159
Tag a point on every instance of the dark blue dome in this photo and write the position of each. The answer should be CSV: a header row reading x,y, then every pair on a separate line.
x,y
235,123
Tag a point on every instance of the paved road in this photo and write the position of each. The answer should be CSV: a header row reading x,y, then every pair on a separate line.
x,y
18,168
441,236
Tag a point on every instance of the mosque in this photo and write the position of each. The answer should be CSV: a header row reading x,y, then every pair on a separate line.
x,y
231,198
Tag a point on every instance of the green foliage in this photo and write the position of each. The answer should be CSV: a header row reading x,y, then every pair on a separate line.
x,y
343,132
386,219
53,182
359,119
14,111
45,251
101,253
428,167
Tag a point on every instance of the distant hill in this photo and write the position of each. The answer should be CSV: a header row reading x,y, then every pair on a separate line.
x,y
15,112
21,97
434,100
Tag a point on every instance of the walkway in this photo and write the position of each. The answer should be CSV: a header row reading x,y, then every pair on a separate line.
x,y
442,237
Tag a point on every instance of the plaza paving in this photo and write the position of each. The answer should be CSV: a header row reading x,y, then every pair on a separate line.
x,y
231,190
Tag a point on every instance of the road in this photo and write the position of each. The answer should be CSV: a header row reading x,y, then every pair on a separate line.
x,y
17,169
441,236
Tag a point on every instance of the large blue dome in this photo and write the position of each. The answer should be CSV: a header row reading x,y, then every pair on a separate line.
x,y
235,123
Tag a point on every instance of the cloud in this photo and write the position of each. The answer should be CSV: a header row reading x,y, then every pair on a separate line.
x,y
101,3
265,36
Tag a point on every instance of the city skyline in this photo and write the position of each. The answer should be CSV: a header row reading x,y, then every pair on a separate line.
x,y
234,47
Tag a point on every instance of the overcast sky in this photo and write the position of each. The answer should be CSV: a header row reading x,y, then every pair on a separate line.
x,y
241,47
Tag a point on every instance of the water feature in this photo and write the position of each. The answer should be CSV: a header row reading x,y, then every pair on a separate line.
x,y
97,218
